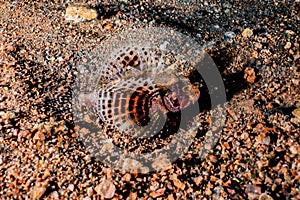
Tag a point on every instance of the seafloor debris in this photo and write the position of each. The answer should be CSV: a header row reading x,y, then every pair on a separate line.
x,y
80,13
296,113
249,75
247,32
106,189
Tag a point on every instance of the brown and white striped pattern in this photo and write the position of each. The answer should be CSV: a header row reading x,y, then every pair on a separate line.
x,y
139,89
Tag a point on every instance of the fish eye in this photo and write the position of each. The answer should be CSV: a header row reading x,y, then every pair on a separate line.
x,y
186,88
196,89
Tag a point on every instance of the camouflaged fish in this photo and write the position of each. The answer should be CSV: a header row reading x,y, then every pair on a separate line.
x,y
139,87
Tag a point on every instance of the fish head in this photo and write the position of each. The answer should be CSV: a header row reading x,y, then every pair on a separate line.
x,y
179,95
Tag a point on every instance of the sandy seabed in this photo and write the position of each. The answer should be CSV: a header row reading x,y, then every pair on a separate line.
x,y
255,45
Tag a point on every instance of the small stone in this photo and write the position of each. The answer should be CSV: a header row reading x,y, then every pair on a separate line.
x,y
23,134
90,191
106,189
253,191
10,47
231,113
39,136
132,195
247,32
46,174
74,135
157,193
71,187
80,13
249,75
208,192
127,177
288,45
213,178
54,195
161,163
258,45
290,32
38,190
131,164
170,197
60,59
10,115
84,131
231,191
179,184
296,112
229,35
293,149
265,140
88,119
168,62
144,170
198,180
108,27
226,145
265,196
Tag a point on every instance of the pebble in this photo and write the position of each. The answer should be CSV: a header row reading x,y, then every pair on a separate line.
x,y
71,187
296,112
131,164
290,32
39,136
247,32
265,196
157,193
38,190
132,196
161,163
249,75
54,195
170,197
106,189
80,13
46,174
229,35
178,184
288,45
294,149
90,191
10,48
108,27
198,180
127,177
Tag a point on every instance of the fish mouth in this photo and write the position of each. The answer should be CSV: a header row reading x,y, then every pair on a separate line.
x,y
175,102
171,103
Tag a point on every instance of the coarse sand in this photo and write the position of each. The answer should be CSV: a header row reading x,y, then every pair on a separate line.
x,y
255,45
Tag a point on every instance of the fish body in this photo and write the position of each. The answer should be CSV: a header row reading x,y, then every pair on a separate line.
x,y
138,88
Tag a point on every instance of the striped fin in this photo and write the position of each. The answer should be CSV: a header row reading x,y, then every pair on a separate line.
x,y
131,105
131,62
